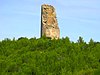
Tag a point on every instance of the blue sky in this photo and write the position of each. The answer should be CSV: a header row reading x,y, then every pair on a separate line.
x,y
21,18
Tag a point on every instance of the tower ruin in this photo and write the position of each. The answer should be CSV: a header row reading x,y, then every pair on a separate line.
x,y
49,24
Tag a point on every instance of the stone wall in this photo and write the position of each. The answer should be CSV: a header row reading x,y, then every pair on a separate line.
x,y
49,24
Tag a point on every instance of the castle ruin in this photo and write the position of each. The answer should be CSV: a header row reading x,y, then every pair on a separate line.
x,y
49,24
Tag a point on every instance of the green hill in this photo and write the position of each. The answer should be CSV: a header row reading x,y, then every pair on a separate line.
x,y
49,57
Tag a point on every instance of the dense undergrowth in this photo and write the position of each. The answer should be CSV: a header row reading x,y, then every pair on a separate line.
x,y
49,57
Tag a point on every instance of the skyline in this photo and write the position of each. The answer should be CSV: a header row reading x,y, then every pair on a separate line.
x,y
22,18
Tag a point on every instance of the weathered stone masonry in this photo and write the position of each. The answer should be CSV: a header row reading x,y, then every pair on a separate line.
x,y
49,24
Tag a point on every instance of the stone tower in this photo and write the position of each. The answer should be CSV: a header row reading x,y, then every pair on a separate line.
x,y
49,24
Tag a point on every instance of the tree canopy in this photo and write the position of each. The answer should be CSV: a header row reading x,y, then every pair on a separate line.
x,y
44,56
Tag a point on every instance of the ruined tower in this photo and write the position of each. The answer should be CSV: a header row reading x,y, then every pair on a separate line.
x,y
49,24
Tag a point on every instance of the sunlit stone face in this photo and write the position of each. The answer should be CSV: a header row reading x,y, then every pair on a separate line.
x,y
49,24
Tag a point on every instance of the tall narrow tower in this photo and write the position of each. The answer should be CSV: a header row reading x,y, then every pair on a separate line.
x,y
49,24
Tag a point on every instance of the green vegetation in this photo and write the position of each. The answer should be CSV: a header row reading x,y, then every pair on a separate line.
x,y
49,57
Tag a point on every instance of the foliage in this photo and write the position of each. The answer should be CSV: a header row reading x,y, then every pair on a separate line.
x,y
44,56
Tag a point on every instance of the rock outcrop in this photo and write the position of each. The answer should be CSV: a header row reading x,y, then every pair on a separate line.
x,y
49,24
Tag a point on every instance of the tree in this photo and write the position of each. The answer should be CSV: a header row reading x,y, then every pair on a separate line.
x,y
80,40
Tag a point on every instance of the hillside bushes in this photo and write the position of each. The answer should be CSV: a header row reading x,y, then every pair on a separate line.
x,y
49,57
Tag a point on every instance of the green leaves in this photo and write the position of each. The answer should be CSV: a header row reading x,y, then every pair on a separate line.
x,y
44,56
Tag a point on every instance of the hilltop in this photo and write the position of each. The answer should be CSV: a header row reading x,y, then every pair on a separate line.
x,y
44,56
